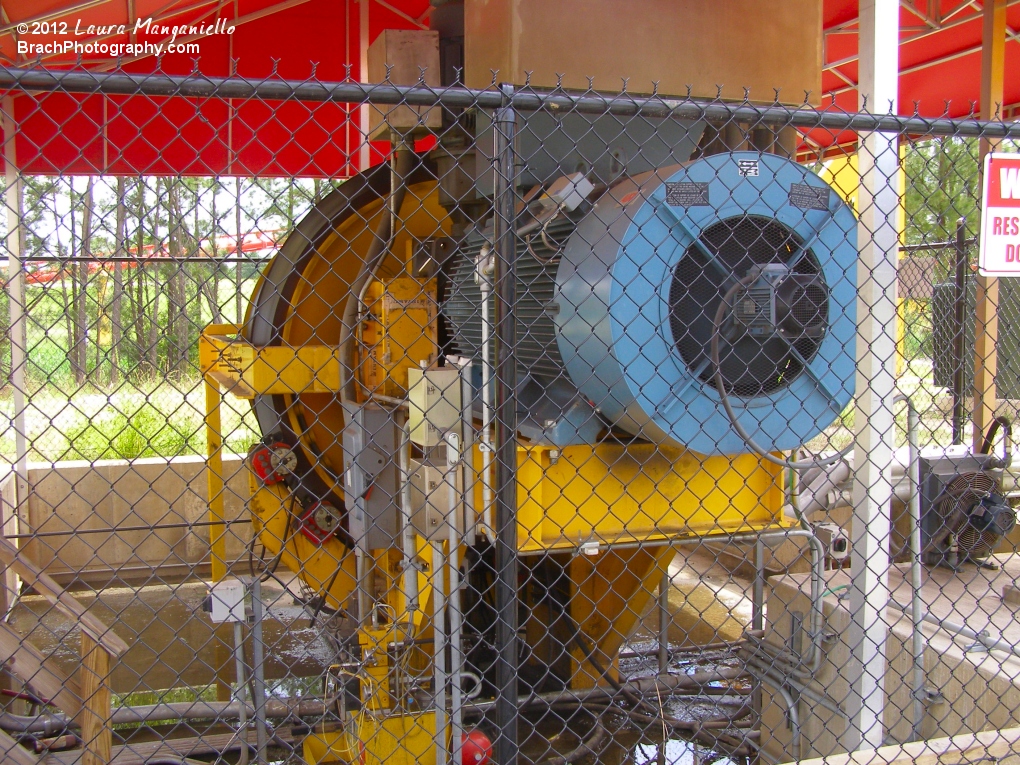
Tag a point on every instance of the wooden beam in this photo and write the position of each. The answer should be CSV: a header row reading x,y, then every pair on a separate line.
x,y
993,57
42,583
39,671
955,750
96,733
13,753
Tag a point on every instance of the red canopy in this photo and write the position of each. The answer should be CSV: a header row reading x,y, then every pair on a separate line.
x,y
940,61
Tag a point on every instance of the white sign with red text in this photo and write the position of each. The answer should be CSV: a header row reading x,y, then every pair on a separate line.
x,y
999,253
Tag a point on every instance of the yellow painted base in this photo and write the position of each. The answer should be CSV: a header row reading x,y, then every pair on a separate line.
x,y
402,739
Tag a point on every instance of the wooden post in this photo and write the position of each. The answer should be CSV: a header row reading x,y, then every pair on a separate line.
x,y
985,361
97,737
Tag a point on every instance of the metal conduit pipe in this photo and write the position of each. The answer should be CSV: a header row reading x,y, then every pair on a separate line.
x,y
439,676
761,670
52,724
794,713
818,497
992,644
407,534
917,638
814,655
483,275
651,687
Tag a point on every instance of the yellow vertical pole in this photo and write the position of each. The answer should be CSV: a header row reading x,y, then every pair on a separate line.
x,y
985,361
214,473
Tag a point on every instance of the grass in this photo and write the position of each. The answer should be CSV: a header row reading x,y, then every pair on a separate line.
x,y
144,419
145,415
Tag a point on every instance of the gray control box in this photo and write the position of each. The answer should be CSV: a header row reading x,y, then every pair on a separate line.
x,y
370,478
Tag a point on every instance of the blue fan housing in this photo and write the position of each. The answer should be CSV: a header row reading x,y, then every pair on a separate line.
x,y
642,274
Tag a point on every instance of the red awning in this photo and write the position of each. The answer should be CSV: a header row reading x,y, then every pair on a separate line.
x,y
940,61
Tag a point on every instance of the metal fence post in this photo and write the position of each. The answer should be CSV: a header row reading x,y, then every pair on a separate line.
x,y
18,329
874,423
959,329
505,278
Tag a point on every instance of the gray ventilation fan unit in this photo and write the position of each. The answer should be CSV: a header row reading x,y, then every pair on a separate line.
x,y
964,513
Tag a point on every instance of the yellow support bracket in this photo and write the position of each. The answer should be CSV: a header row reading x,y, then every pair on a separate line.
x,y
247,371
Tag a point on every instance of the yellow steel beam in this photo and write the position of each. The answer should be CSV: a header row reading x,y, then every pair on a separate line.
x,y
248,371
214,477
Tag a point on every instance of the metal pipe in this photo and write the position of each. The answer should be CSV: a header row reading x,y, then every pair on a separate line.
x,y
763,670
400,168
917,638
964,631
652,687
483,275
278,89
407,533
506,748
664,621
18,331
794,713
814,655
276,709
758,593
959,335
439,648
259,666
242,722
363,570
453,608
814,495
166,712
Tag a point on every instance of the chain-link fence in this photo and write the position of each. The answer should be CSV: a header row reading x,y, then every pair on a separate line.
x,y
569,431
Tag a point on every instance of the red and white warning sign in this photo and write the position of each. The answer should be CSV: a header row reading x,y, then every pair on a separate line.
x,y
999,253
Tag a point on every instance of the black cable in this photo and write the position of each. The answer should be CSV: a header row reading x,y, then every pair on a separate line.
x,y
1007,437
322,600
724,396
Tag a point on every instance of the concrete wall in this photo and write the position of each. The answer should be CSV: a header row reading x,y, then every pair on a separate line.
x,y
968,690
81,516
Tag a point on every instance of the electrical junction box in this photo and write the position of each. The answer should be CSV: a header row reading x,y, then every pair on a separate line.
x,y
399,332
436,399
412,56
226,601
370,478
433,499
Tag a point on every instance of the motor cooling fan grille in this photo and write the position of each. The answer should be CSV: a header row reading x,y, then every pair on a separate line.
x,y
751,366
962,493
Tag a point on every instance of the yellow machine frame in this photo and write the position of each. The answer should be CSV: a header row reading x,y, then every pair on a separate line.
x,y
612,508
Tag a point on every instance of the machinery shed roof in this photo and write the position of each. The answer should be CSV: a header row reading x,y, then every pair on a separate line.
x,y
940,66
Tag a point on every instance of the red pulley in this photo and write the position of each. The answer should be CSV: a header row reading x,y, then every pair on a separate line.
x,y
319,522
269,462
475,748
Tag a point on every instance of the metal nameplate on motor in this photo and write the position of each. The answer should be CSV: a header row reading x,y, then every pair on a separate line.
x,y
809,197
686,194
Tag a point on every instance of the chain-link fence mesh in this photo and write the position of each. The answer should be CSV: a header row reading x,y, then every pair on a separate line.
x,y
532,442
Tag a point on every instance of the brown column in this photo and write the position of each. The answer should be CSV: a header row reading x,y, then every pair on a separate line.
x,y
985,362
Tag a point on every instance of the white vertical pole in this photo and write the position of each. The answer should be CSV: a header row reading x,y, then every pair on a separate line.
x,y
16,297
363,42
874,424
